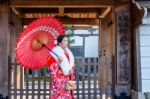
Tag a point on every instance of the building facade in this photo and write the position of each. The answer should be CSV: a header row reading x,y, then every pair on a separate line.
x,y
119,51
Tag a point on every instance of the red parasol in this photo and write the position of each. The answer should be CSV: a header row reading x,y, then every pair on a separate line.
x,y
34,43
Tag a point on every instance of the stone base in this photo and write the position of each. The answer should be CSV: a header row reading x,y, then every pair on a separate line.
x,y
140,95
122,96
1,97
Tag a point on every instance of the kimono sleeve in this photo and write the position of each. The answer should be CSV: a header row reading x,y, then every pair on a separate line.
x,y
51,60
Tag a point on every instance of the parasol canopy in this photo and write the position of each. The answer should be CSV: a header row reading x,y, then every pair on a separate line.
x,y
34,43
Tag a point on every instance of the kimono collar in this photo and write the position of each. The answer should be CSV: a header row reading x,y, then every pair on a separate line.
x,y
66,65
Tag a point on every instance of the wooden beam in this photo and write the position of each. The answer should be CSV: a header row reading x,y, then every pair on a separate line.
x,y
138,12
61,11
39,15
82,27
104,12
71,15
108,9
60,3
39,10
69,21
71,12
17,11
56,10
82,10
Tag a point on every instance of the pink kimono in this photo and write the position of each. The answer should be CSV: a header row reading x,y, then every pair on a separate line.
x,y
57,90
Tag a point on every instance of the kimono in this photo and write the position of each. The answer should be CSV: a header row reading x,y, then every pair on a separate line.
x,y
60,73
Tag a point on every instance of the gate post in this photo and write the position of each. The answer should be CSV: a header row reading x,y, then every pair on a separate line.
x,y
4,48
137,14
122,19
127,17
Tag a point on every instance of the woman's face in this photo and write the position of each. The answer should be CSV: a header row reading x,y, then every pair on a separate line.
x,y
64,43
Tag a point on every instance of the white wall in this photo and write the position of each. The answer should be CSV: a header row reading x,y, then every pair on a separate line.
x,y
91,46
145,57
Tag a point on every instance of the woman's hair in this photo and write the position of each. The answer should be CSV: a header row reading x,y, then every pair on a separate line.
x,y
60,38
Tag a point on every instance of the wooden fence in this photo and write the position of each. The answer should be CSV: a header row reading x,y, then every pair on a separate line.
x,y
35,84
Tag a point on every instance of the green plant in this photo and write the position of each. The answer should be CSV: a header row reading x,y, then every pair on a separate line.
x,y
70,33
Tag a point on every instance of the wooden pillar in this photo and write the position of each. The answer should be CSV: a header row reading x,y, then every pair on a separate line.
x,y
128,16
122,62
4,48
15,28
105,55
137,14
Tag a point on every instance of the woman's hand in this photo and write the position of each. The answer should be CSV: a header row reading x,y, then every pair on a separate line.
x,y
71,83
60,60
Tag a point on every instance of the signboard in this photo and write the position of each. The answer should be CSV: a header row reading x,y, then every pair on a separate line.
x,y
123,48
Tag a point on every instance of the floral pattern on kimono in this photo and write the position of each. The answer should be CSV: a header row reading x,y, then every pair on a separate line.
x,y
57,90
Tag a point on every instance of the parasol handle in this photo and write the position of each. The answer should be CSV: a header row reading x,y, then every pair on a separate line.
x,y
47,48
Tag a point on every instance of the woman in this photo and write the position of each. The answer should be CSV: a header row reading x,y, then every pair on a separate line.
x,y
61,69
